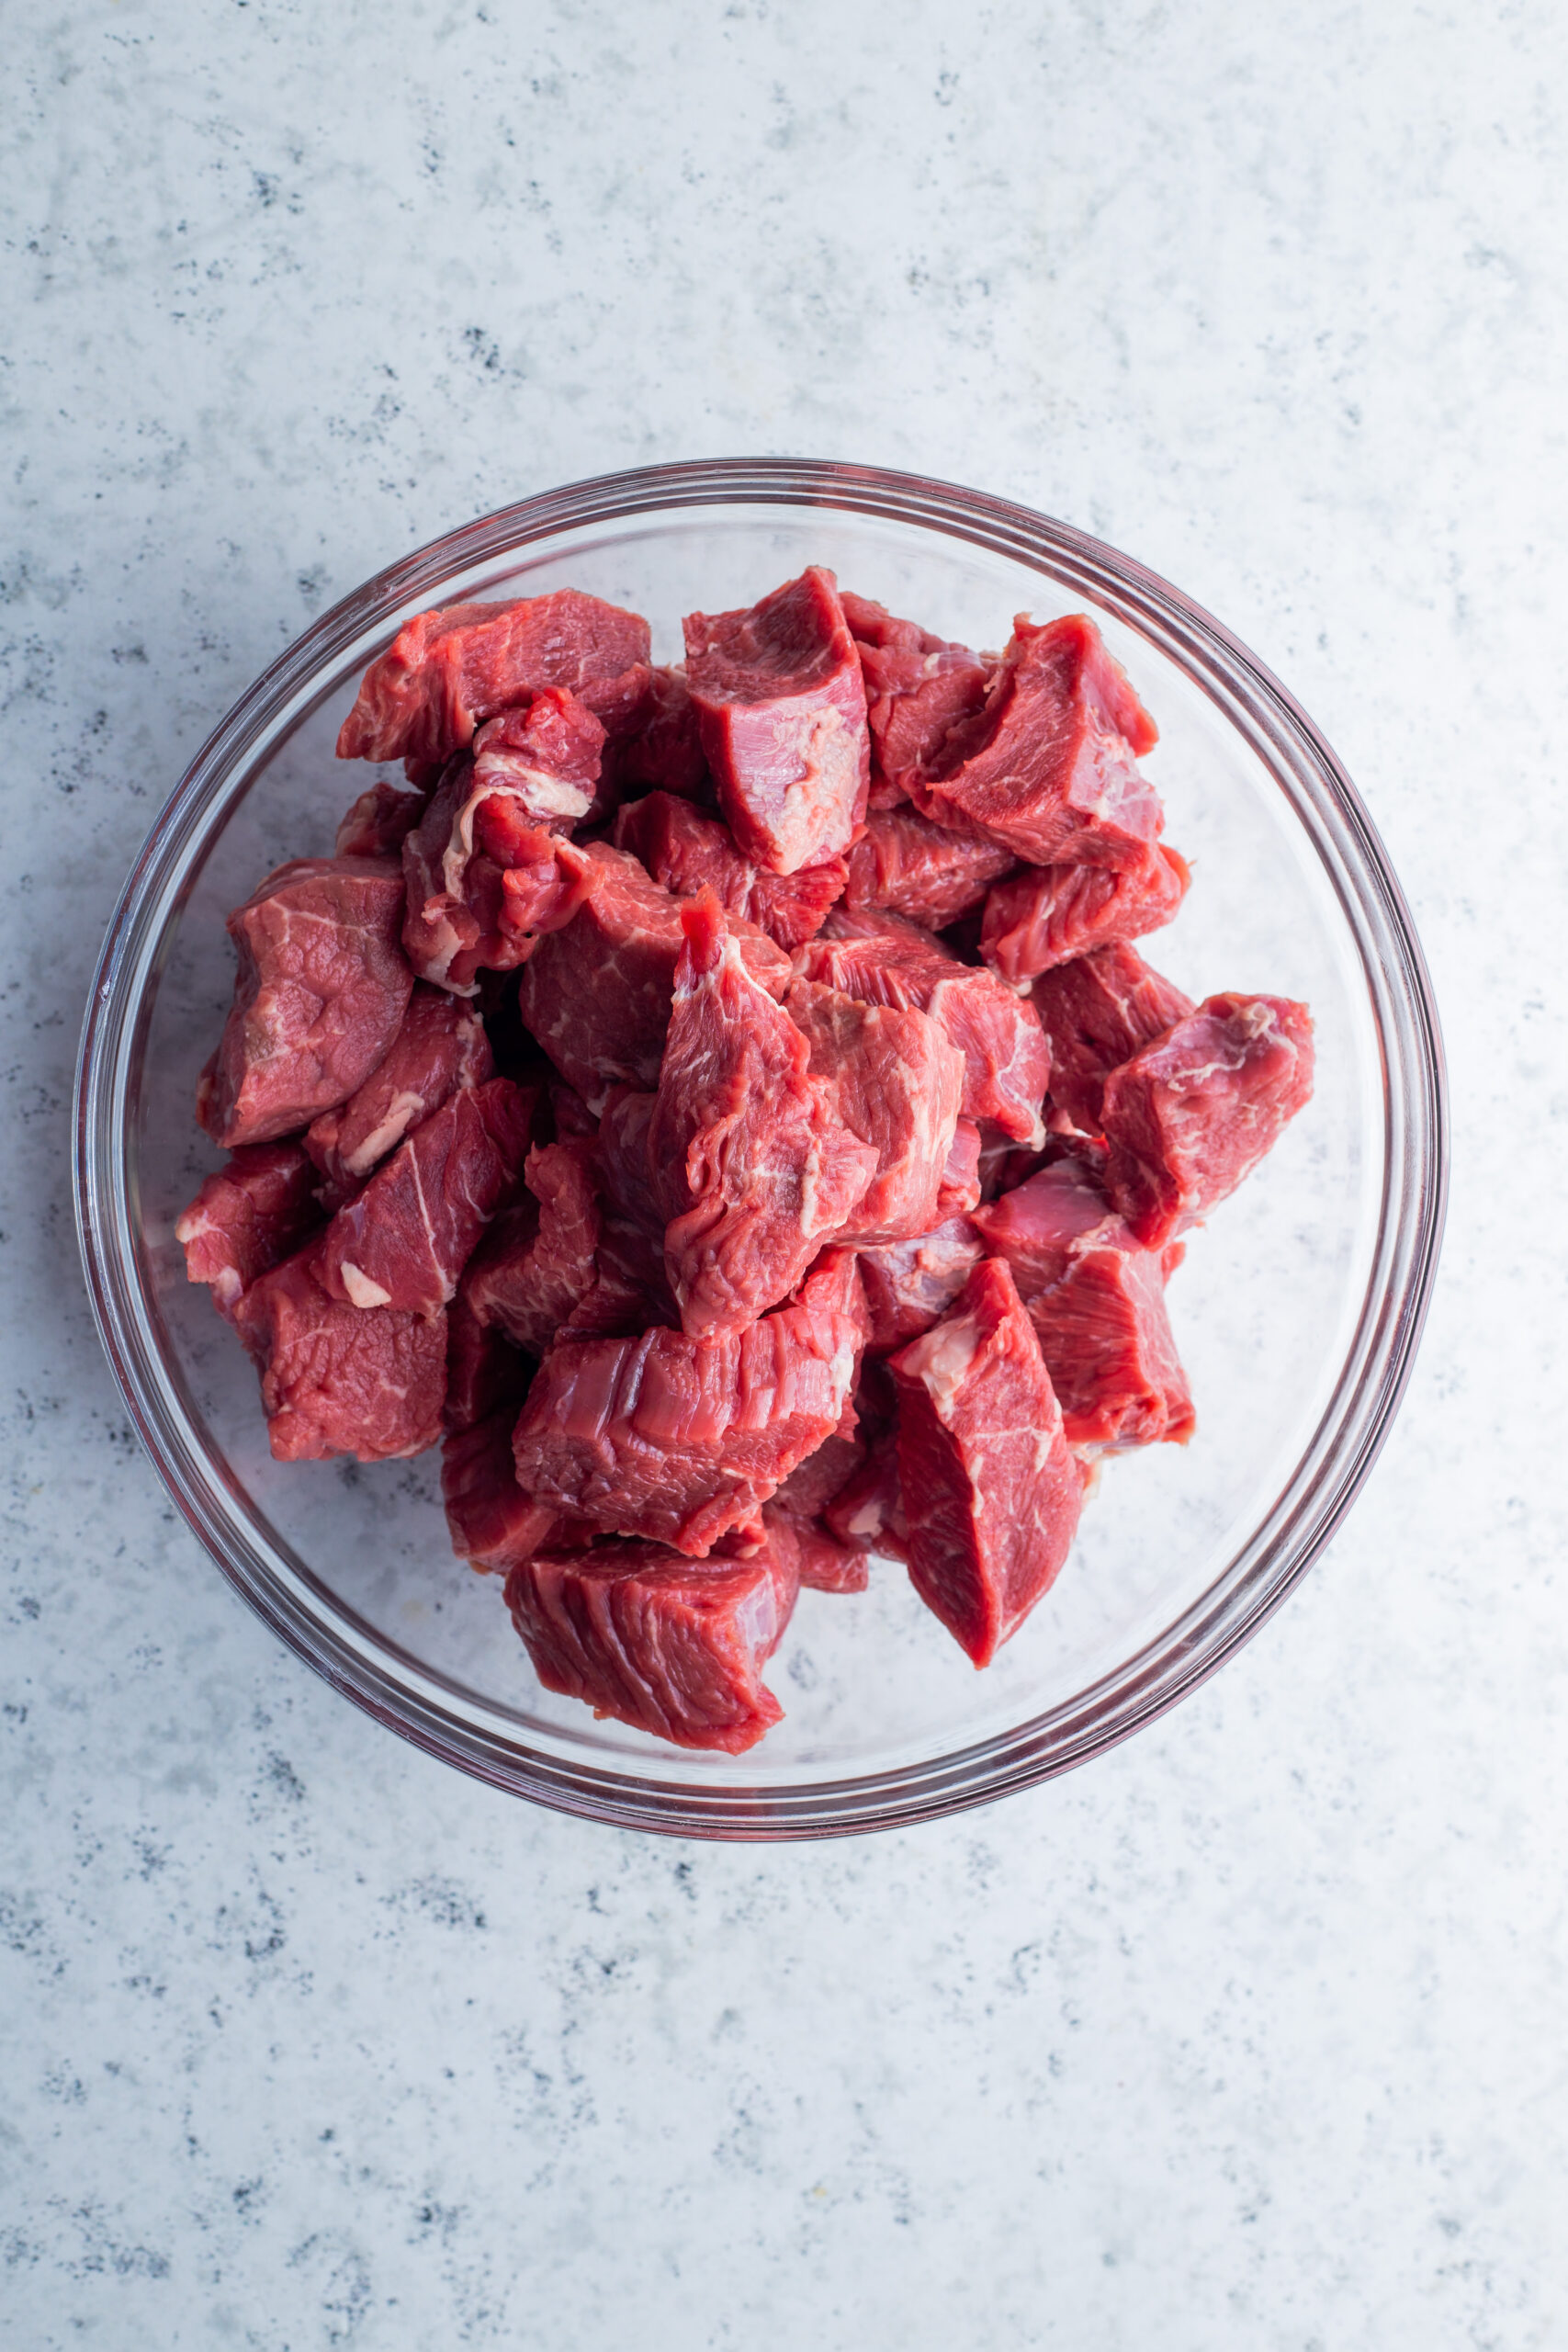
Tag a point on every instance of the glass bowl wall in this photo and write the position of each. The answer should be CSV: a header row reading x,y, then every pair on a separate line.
x,y
1297,1311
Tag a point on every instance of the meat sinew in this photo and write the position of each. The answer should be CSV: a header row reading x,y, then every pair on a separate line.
x,y
759,1166
1193,1113
336,1379
685,852
320,995
896,1083
1097,1012
1047,767
486,876
991,1493
248,1216
781,709
1048,914
441,1047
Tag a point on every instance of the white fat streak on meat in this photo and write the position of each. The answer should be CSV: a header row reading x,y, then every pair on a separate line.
x,y
940,1361
814,817
539,792
402,1112
362,1290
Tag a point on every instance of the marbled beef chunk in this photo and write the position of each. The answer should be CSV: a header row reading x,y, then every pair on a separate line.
x,y
540,1260
248,1216
492,1523
441,1047
685,852
487,876
1097,1012
338,1379
1048,914
781,709
896,1083
917,687
379,822
909,1285
914,869
990,1492
320,995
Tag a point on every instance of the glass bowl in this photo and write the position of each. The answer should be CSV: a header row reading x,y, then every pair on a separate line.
x,y
1297,1312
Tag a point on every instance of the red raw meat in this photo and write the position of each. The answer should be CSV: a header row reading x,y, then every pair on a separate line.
x,y
813,1484
336,1379
1096,1301
917,687
484,1371
571,1114
597,995
686,852
1048,914
909,1285
665,753
919,870
960,1188
684,1439
492,1523
379,822
441,1047
751,1145
991,1493
781,711
545,757
669,1646
1047,768
896,1083
1192,1113
1097,1012
538,1260
821,1563
403,1241
447,672
247,1218
882,959
318,997
485,881
868,1509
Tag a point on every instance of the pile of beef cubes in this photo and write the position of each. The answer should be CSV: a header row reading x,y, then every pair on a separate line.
x,y
723,1107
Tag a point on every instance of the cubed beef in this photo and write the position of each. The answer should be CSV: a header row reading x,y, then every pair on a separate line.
x,y
990,1492
867,1512
751,1144
665,753
959,1187
905,862
1096,1301
1048,914
403,1241
813,1484
681,1440
884,960
597,995
821,1561
492,1523
448,671
896,1083
570,1113
379,822
336,1379
909,1285
781,711
441,1047
545,756
532,1269
1097,1012
1194,1112
685,852
248,1216
485,878
484,1371
320,995
1046,767
671,1646
917,687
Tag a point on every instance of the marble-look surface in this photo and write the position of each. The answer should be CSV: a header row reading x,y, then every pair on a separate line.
x,y
1248,2039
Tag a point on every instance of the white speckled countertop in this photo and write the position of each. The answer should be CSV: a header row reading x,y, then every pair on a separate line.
x,y
1248,2037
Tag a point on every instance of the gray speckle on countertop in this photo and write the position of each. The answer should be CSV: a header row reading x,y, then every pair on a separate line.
x,y
1249,2037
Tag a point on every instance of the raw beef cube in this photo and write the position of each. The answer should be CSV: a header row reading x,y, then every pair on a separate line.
x,y
403,1241
1096,1301
335,1380
318,997
905,862
379,822
485,879
492,1523
884,960
532,1270
868,1509
991,1493
811,1487
597,995
1194,1112
909,1285
669,1646
896,1083
917,687
484,1371
1048,914
686,852
751,1144
820,1561
545,757
665,752
626,1176
1097,1012
781,711
1046,767
683,1440
441,1047
960,1188
247,1218
447,673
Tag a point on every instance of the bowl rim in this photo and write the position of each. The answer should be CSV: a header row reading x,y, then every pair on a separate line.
x,y
1371,1379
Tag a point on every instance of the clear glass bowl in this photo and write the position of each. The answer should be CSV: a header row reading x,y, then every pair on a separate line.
x,y
1297,1312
